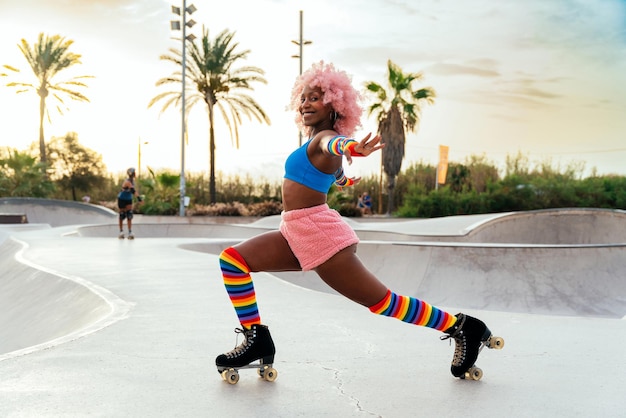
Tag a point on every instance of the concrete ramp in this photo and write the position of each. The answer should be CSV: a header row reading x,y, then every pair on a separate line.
x,y
173,230
567,226
57,212
574,281
554,262
38,307
554,226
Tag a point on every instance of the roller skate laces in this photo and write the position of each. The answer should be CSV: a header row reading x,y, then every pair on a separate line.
x,y
241,349
460,342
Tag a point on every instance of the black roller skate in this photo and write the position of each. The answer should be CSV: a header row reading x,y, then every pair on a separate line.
x,y
470,336
257,345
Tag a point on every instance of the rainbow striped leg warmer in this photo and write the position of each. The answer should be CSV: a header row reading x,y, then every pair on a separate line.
x,y
413,311
239,287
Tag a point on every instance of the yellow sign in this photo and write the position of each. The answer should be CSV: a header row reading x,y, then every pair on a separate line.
x,y
442,168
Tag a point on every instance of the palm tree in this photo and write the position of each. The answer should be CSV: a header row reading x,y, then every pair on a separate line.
x,y
397,112
219,85
47,57
22,176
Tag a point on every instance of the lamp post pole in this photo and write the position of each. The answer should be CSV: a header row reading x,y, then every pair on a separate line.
x,y
139,156
177,26
183,122
301,42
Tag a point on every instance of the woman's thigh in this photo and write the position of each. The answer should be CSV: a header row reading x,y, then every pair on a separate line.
x,y
346,274
268,252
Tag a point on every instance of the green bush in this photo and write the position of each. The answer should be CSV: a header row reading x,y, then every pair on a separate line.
x,y
472,187
160,193
350,210
268,208
219,209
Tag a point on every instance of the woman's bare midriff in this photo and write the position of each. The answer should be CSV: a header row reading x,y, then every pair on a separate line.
x,y
297,196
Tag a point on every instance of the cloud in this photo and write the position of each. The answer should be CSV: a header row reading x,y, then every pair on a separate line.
x,y
443,68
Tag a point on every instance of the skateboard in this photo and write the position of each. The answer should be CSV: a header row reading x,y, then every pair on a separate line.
x,y
476,373
265,371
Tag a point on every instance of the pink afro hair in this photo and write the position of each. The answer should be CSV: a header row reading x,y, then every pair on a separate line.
x,y
338,91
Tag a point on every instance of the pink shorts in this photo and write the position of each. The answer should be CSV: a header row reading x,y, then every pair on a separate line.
x,y
315,234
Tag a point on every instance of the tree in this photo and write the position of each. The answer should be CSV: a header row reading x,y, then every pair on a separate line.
x,y
397,112
217,84
74,167
22,176
47,57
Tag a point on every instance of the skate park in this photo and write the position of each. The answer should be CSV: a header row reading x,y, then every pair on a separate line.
x,y
91,325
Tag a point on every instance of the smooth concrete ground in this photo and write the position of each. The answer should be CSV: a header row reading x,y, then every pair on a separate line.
x,y
95,326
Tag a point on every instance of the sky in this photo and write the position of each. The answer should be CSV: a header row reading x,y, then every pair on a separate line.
x,y
542,78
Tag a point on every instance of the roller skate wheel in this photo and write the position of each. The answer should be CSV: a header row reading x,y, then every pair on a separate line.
x,y
231,376
474,373
267,373
496,343
270,374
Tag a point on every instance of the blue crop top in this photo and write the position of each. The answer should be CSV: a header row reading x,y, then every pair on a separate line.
x,y
298,168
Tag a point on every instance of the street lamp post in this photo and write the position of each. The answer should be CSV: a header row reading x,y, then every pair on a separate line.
x,y
176,25
139,155
300,44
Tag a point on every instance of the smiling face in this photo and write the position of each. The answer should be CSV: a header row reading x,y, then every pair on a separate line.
x,y
338,91
315,113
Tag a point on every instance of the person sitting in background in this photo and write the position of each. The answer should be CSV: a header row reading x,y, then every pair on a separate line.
x,y
365,203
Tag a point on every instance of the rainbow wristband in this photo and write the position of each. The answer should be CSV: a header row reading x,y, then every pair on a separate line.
x,y
341,180
339,144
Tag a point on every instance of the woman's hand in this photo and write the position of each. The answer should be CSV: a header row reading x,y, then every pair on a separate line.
x,y
366,146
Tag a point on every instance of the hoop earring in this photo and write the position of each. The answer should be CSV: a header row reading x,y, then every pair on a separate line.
x,y
334,116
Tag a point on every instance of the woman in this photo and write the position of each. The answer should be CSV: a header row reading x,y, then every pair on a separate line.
x,y
125,203
314,237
